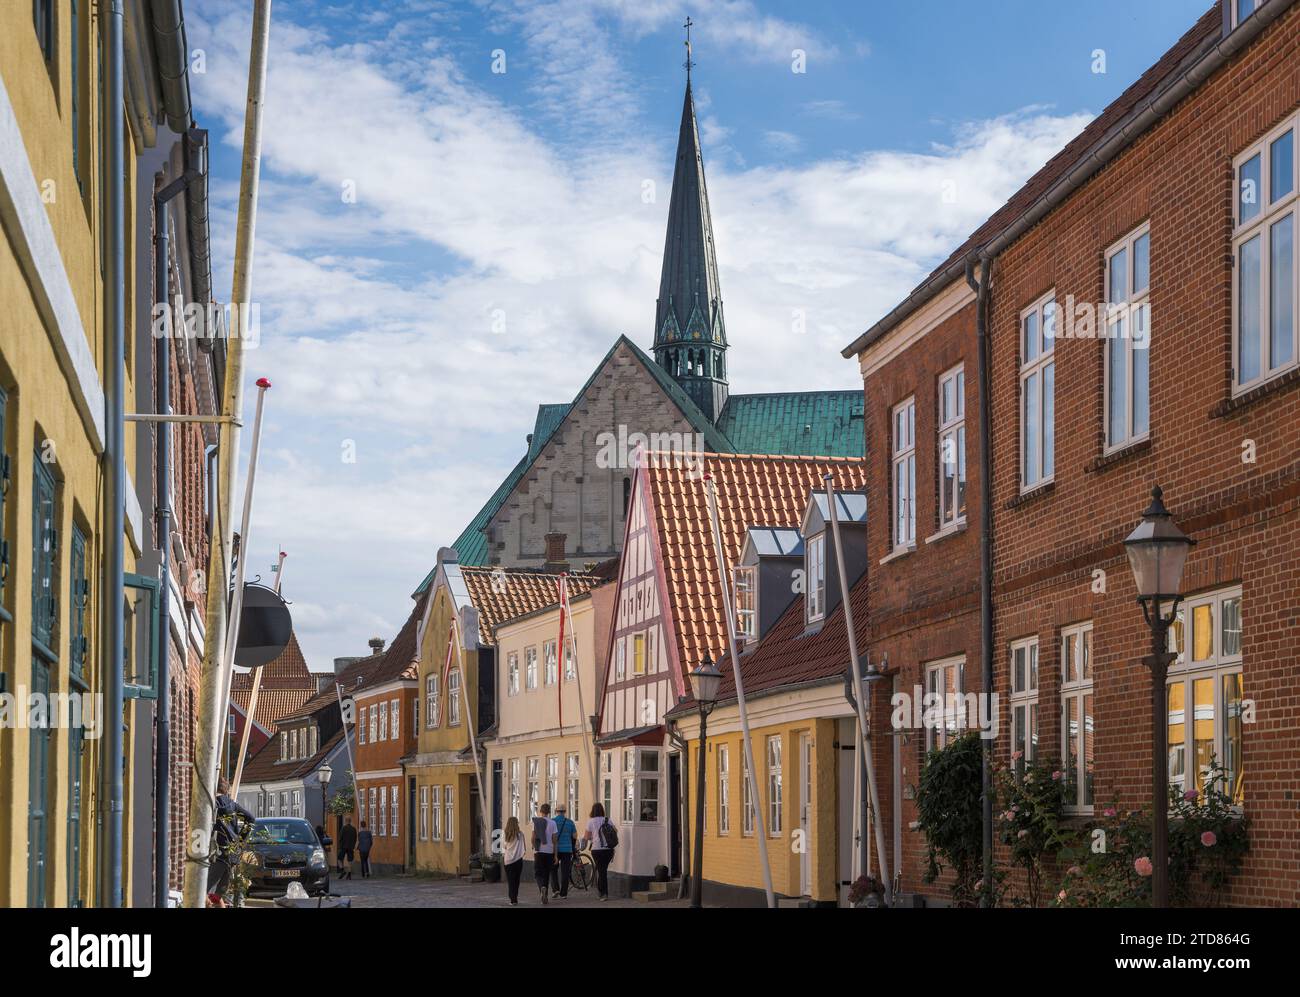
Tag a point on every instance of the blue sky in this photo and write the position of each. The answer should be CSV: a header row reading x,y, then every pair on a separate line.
x,y
506,226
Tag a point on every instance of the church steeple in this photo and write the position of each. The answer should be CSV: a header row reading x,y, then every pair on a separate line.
x,y
690,334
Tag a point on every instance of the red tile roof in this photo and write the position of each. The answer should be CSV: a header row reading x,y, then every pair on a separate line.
x,y
752,491
501,594
286,685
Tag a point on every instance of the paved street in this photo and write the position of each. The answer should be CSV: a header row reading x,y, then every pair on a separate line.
x,y
420,891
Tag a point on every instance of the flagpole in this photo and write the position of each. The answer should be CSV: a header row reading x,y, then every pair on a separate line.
x,y
712,493
864,729
347,743
562,588
473,735
583,730
252,699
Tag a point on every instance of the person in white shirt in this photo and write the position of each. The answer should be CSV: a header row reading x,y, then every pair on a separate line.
x,y
601,852
512,857
543,850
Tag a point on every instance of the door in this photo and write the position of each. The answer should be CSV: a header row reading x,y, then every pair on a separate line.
x,y
410,822
846,758
496,797
674,815
38,793
805,812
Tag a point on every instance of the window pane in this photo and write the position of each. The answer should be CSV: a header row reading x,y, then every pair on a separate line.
x,y
1203,726
1202,633
1248,311
961,392
1072,739
1018,683
947,403
961,471
1119,276
1141,369
1018,735
1245,8
1141,263
1029,350
1086,671
1281,167
911,497
1070,658
1177,735
1281,292
1049,326
1230,631
1033,666
1087,751
1248,190
1117,386
1030,417
1049,420
1231,760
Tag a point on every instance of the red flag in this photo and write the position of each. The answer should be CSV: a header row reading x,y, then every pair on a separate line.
x,y
559,650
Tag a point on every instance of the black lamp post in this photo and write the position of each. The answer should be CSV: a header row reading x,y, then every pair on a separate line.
x,y
705,680
1157,550
324,774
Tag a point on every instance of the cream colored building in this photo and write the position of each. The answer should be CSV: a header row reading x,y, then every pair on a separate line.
x,y
543,750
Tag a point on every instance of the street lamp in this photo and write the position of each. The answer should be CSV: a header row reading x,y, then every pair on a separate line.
x,y
1157,550
324,774
705,680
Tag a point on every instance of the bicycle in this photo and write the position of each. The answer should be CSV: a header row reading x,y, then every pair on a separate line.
x,y
583,873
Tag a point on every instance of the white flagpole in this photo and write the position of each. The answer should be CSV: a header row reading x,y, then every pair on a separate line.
x,y
347,743
252,698
583,727
864,729
279,572
711,491
473,734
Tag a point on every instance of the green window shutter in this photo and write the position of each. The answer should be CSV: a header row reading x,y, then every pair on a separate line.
x,y
4,519
78,601
146,648
45,539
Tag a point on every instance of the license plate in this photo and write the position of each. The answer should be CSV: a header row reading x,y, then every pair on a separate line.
x,y
284,873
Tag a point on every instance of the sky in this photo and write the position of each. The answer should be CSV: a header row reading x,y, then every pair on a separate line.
x,y
463,204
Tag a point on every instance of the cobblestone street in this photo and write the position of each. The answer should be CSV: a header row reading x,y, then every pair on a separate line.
x,y
420,891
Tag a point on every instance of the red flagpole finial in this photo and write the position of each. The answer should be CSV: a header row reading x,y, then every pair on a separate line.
x,y
262,382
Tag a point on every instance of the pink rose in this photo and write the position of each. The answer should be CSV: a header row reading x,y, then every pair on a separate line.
x,y
1017,755
1061,896
1190,796
1056,776
1209,839
1143,866
1109,812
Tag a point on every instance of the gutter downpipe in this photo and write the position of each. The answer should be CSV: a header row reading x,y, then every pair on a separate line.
x,y
981,288
114,663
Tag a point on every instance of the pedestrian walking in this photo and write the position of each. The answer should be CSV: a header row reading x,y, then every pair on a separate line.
x,y
365,841
543,850
347,844
566,843
603,838
512,857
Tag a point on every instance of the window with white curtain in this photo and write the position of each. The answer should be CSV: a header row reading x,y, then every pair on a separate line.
x,y
1077,717
904,474
1127,327
1024,703
952,447
1038,393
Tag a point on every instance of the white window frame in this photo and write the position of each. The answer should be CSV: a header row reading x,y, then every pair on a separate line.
x,y
453,698
950,727
534,765
640,663
648,776
383,722
815,570
724,789
902,476
1077,673
553,780
774,753
394,721
620,659
1023,700
550,663
745,581
374,807
435,808
424,813
394,813
374,722
570,662
297,803
1126,320
607,783
627,811
1218,666
1270,214
952,448
514,788
573,782
431,691
449,813
1037,366
1235,7
382,828
748,818
512,673
530,668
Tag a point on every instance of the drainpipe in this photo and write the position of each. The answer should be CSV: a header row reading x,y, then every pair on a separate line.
x,y
981,288
112,673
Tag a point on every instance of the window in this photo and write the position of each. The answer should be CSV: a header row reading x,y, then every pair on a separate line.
x,y
747,796
395,710
638,654
284,805
724,789
746,603
629,785
570,665
816,567
1242,9
45,560
374,805
514,788
774,795
449,801
1037,393
945,679
607,782
620,659
550,664
361,726
904,474
284,745
424,813
415,715
1205,692
533,785
313,735
382,709
649,785
46,37
393,814
1077,719
572,771
1024,703
952,448
374,722
1263,244
432,700
512,673
552,780
1128,339
381,828
453,698
435,796
78,601
297,803
293,744
530,668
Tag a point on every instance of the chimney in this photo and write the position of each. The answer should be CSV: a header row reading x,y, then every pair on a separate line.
x,y
376,645
555,551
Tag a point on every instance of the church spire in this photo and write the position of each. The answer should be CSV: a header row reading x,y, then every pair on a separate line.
x,y
690,334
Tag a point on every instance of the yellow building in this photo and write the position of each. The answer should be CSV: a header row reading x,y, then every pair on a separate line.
x,y
543,750
54,352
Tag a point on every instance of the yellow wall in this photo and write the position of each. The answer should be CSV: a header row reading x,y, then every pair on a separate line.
x,y
42,416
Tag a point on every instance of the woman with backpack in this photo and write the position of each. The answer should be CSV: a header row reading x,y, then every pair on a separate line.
x,y
603,838
512,857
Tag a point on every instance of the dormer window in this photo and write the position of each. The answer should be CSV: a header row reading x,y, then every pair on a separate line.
x,y
1242,9
816,567
747,603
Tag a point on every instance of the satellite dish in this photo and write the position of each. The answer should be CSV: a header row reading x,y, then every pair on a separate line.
x,y
265,627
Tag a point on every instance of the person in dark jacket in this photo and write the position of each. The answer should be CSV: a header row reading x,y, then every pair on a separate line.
x,y
230,827
347,842
365,841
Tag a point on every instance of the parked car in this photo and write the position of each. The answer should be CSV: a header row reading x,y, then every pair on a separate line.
x,y
280,850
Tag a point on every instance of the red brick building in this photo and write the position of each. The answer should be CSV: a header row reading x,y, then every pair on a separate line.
x,y
1170,220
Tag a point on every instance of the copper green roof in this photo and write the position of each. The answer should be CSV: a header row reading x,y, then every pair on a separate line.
x,y
804,423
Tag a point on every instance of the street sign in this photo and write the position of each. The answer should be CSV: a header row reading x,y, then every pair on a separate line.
x,y
264,627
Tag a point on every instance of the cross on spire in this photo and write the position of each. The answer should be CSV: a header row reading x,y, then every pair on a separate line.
x,y
688,63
